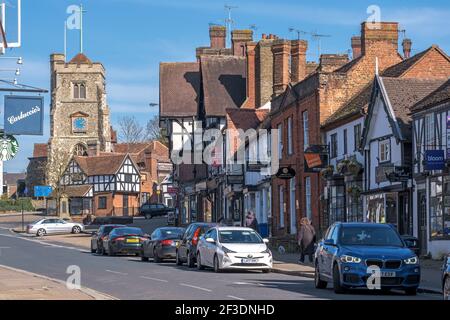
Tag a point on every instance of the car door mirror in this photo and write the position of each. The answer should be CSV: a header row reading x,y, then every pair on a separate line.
x,y
210,240
266,241
329,242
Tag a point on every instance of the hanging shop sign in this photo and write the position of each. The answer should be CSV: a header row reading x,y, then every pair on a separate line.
x,y
286,173
434,160
24,115
316,158
9,147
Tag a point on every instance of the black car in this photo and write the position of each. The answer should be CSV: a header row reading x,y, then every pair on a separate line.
x,y
446,278
150,211
162,244
187,249
124,240
99,235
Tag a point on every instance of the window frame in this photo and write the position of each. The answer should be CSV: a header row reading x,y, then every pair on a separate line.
x,y
357,136
387,150
290,136
305,120
100,205
333,146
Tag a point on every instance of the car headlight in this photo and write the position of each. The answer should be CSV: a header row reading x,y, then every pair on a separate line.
x,y
413,260
226,250
350,259
267,251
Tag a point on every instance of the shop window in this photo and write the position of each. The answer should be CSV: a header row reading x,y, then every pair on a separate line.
x,y
440,208
385,151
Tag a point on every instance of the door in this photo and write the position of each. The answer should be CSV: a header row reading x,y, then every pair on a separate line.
x,y
212,247
422,217
206,250
329,252
125,205
50,225
63,227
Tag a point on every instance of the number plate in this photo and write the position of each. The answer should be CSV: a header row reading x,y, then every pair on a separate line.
x,y
249,260
132,240
387,274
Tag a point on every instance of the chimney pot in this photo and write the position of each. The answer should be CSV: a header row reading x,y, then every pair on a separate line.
x,y
407,44
239,38
281,75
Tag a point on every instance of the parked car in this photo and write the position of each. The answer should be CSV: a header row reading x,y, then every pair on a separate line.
x,y
101,221
150,211
53,225
99,235
125,241
233,248
446,278
350,251
187,248
162,244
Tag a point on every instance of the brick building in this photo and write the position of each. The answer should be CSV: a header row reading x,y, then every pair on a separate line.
x,y
298,110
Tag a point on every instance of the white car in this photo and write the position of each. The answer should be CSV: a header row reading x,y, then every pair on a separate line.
x,y
53,225
233,248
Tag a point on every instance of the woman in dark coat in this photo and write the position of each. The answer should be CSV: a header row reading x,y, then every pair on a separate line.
x,y
306,240
251,221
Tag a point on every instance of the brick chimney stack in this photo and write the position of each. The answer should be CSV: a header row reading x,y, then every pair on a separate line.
x,y
379,37
251,75
332,62
218,36
407,44
298,60
356,46
239,38
281,76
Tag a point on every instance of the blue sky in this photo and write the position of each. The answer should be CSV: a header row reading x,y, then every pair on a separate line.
x,y
131,37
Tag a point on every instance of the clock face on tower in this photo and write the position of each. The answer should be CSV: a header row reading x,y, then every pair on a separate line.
x,y
79,124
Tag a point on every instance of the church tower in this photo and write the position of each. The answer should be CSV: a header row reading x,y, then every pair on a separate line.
x,y
79,114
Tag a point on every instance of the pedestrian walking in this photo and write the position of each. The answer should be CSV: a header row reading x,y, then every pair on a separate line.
x,y
306,240
251,221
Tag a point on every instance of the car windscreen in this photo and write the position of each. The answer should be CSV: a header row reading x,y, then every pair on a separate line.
x,y
108,229
239,236
126,231
174,233
369,236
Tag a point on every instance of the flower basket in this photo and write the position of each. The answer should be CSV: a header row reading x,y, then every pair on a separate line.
x,y
327,172
354,168
342,167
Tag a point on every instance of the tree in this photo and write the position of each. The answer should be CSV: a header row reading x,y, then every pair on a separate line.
x,y
130,131
153,131
56,169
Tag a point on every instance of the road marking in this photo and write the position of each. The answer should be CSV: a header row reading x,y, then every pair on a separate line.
x,y
154,279
235,298
117,272
195,287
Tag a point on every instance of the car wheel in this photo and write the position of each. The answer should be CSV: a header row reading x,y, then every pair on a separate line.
x,y
178,260
41,233
320,284
338,288
98,251
76,230
199,262
411,291
190,260
143,257
447,289
156,258
93,250
217,265
111,253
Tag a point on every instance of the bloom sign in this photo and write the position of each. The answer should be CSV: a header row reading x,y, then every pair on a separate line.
x,y
24,115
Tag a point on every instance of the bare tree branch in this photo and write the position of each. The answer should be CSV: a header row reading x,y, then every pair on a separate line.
x,y
130,131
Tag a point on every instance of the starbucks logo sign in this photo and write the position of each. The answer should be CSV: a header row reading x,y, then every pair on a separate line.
x,y
9,147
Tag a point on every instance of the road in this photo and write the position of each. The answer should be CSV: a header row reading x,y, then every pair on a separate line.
x,y
128,278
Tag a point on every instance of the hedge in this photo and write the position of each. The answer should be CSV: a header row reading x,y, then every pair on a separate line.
x,y
16,205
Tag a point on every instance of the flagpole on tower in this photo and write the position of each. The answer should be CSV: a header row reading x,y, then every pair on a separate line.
x,y
81,28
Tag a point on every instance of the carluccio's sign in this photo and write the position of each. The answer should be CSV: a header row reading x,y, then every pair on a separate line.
x,y
24,115
8,147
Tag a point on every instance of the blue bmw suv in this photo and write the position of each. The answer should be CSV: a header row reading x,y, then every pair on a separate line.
x,y
366,255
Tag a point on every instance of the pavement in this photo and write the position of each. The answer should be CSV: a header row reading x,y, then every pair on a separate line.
x,y
21,285
127,277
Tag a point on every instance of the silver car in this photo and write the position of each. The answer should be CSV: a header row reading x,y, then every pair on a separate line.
x,y
52,226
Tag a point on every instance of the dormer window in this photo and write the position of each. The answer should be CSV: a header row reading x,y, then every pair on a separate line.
x,y
79,91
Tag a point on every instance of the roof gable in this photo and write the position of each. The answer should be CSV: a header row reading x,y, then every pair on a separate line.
x,y
102,165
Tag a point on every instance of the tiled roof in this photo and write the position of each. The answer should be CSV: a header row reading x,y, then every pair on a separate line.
x,y
77,191
439,96
400,68
80,59
131,147
224,83
12,178
101,165
403,94
246,118
179,89
40,150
